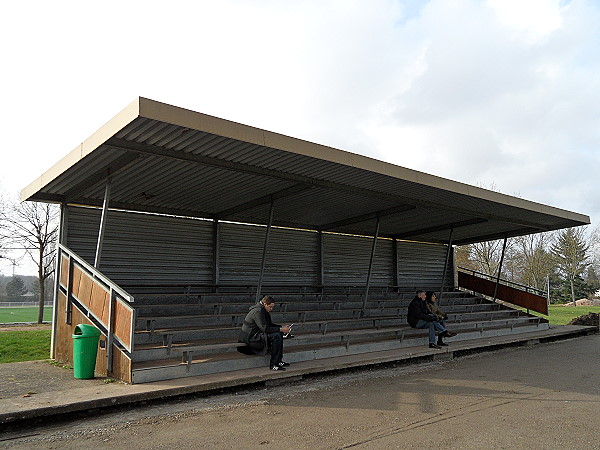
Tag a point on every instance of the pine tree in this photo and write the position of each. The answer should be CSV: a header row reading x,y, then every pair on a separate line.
x,y
571,253
15,289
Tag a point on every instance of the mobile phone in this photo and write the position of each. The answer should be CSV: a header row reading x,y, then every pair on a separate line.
x,y
289,330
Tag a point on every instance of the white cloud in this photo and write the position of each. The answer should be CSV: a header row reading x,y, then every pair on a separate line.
x,y
498,92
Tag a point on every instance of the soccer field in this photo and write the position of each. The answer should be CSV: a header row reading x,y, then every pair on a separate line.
x,y
24,314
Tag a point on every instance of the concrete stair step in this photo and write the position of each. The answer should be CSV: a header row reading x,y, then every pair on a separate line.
x,y
224,362
171,349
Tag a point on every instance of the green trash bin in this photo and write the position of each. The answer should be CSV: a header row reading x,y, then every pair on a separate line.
x,y
85,349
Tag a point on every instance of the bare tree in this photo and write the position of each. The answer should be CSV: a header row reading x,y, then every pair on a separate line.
x,y
533,258
486,256
3,226
571,253
33,227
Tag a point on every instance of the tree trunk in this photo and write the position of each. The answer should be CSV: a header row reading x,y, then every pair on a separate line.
x,y
42,286
573,292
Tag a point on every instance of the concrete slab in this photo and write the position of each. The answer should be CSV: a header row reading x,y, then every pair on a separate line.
x,y
36,389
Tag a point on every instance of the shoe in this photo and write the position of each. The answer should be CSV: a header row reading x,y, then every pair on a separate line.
x,y
278,368
448,334
432,345
283,364
442,344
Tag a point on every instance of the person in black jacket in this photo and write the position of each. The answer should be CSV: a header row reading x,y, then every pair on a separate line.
x,y
261,334
419,316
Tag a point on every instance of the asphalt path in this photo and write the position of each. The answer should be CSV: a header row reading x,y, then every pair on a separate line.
x,y
542,396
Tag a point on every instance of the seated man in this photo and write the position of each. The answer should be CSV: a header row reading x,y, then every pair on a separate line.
x,y
261,334
420,317
433,307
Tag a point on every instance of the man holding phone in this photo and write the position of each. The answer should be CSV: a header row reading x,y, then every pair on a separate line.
x,y
261,334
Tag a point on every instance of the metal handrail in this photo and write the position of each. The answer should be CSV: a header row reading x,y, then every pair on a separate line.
x,y
99,275
505,282
116,294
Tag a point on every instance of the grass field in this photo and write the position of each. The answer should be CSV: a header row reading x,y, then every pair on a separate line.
x,y
27,314
562,315
18,346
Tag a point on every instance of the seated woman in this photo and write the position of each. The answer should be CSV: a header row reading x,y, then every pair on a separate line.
x,y
433,307
419,316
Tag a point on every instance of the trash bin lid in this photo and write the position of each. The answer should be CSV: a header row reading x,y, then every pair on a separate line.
x,y
83,330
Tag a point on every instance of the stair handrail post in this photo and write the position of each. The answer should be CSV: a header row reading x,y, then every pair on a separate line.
x,y
110,331
500,268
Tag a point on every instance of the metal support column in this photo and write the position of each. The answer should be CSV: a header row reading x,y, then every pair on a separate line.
x,y
216,252
371,263
102,225
500,268
264,255
395,262
448,252
321,261
62,226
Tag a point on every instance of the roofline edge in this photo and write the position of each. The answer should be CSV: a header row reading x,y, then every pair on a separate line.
x,y
106,131
175,115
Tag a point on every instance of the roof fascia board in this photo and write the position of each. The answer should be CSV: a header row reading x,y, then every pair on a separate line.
x,y
109,129
152,109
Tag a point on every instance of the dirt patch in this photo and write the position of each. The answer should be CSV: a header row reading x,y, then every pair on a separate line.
x,y
590,319
583,302
25,326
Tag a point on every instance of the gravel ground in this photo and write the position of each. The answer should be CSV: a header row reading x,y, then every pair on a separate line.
x,y
541,396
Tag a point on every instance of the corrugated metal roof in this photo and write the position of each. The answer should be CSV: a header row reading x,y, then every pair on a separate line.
x,y
165,159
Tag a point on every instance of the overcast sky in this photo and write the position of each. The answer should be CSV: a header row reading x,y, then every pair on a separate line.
x,y
498,93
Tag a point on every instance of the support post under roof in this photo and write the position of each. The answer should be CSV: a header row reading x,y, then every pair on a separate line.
x,y
264,255
102,225
373,248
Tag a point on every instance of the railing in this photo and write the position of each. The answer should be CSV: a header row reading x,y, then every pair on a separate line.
x,y
23,304
507,291
99,298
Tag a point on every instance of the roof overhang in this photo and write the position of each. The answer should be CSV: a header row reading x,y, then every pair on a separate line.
x,y
164,159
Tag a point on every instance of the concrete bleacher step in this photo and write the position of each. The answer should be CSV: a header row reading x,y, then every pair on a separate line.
x,y
153,330
175,309
209,346
201,315
202,329
227,361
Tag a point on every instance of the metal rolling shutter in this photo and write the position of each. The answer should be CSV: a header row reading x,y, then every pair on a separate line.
x,y
347,261
291,257
422,266
144,248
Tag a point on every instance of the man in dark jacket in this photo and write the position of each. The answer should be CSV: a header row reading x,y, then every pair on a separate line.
x,y
419,316
261,334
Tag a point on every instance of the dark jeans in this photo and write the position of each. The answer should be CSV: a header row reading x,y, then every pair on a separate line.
x,y
275,342
433,327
